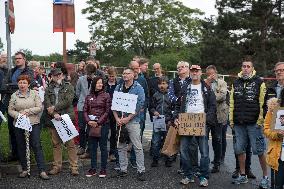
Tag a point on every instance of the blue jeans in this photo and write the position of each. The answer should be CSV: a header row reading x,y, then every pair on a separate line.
x,y
185,143
102,141
35,144
157,143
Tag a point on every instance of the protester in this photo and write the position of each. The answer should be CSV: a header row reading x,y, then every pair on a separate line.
x,y
82,90
131,124
110,87
9,87
58,101
99,72
275,138
81,68
219,88
161,106
246,117
196,97
43,76
96,113
27,102
35,66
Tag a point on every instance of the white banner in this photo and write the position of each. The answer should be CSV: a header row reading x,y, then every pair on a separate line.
x,y
124,102
65,128
23,122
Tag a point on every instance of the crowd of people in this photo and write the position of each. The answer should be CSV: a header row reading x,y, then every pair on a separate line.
x,y
86,96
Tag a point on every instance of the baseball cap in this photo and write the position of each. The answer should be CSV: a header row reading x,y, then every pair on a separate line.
x,y
197,67
56,71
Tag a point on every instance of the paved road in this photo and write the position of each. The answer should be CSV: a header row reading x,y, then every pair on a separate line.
x,y
160,177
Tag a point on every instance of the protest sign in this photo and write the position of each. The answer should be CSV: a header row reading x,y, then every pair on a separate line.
x,y
124,102
159,123
192,124
65,128
23,122
277,122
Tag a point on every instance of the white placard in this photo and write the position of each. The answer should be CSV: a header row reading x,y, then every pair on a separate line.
x,y
23,122
124,102
41,93
65,128
279,125
159,123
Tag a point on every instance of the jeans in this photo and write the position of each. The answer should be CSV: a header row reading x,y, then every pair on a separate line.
x,y
83,134
112,139
186,156
102,141
13,142
35,144
157,143
248,154
216,132
133,129
224,141
277,181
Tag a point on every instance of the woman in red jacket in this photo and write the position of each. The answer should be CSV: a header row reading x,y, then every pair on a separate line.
x,y
96,112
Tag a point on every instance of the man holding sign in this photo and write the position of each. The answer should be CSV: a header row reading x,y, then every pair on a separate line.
x,y
58,101
130,121
196,98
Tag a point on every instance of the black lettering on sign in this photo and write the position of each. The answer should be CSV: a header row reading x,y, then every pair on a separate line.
x,y
65,126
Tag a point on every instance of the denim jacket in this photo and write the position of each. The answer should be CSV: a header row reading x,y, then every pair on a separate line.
x,y
136,89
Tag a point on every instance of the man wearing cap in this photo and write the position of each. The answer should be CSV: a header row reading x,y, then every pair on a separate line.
x,y
196,97
58,101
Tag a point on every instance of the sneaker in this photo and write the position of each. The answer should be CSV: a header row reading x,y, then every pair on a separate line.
x,y
80,151
111,158
54,171
154,163
203,182
23,174
168,163
215,169
102,174
186,180
250,174
43,176
133,164
235,174
141,176
264,183
91,172
180,172
241,180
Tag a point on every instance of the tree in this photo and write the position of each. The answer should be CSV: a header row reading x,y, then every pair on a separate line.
x,y
142,25
28,53
1,45
81,51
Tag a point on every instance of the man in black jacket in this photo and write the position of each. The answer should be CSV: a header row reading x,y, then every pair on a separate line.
x,y
196,97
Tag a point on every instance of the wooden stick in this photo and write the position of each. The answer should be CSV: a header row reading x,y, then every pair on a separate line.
x,y
118,137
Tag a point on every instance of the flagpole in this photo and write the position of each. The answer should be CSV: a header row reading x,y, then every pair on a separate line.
x,y
64,34
8,36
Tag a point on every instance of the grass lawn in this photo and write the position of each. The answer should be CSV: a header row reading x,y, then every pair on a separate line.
x,y
45,142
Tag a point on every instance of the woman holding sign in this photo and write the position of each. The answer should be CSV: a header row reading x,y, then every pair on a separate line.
x,y
96,112
27,102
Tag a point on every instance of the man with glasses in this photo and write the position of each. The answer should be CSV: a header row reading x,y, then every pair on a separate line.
x,y
9,87
131,124
246,118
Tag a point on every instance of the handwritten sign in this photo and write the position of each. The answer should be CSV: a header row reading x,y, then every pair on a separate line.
x,y
23,122
277,122
124,102
65,128
192,124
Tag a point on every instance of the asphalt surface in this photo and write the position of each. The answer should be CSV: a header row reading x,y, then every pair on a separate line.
x,y
158,177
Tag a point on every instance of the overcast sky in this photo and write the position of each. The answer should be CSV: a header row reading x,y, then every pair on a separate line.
x,y
33,29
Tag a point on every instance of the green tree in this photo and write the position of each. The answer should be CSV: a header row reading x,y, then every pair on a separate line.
x,y
142,26
81,51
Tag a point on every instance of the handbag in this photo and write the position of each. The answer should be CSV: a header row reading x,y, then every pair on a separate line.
x,y
95,131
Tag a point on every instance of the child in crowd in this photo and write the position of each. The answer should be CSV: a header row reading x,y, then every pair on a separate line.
x,y
161,109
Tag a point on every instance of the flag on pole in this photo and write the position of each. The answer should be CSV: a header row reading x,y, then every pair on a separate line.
x,y
11,16
63,15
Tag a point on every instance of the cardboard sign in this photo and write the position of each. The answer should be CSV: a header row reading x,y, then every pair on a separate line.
x,y
277,122
124,102
192,124
23,122
65,128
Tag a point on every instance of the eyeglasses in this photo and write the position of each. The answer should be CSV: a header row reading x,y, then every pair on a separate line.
x,y
246,66
279,70
181,67
125,73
